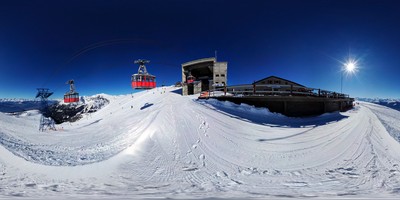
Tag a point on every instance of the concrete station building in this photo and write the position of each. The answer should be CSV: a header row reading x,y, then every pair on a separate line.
x,y
202,75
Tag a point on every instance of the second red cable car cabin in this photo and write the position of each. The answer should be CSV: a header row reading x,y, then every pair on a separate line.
x,y
71,96
143,80
190,78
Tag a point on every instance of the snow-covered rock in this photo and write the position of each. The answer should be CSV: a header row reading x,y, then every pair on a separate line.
x,y
71,112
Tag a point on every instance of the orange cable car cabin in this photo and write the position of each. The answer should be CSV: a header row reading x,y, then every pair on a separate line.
x,y
143,80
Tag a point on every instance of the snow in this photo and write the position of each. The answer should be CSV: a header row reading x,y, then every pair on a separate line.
x,y
159,144
391,103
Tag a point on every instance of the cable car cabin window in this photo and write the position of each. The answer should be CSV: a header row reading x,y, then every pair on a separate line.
x,y
70,98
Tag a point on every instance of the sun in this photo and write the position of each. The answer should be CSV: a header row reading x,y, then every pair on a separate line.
x,y
350,66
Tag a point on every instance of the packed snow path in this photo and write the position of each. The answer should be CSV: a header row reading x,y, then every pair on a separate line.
x,y
158,143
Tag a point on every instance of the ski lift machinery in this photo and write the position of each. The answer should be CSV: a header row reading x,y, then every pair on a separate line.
x,y
71,96
143,80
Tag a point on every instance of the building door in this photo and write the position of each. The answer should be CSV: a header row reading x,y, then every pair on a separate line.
x,y
205,85
190,89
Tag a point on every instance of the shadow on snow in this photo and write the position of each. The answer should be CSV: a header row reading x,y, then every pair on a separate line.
x,y
146,105
178,91
263,116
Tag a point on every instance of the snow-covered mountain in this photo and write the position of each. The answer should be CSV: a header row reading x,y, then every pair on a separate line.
x,y
18,105
159,144
58,110
70,112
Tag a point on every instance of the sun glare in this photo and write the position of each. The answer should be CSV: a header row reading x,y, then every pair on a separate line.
x,y
350,66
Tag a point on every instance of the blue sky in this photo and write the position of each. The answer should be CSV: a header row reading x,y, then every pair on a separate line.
x,y
46,43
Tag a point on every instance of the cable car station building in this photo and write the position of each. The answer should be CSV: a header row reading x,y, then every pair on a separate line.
x,y
202,75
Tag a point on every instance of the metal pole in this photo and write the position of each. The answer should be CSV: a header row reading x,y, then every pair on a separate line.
x,y
341,84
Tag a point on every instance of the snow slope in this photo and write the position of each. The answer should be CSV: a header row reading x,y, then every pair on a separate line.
x,y
158,143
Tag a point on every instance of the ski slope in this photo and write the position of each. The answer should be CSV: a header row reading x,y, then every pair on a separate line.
x,y
158,143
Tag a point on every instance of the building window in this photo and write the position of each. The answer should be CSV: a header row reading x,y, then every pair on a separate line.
x,y
222,75
216,75
277,82
269,82
223,83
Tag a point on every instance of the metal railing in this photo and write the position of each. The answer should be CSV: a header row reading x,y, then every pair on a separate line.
x,y
271,90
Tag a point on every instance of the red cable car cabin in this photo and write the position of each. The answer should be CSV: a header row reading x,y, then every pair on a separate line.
x,y
140,81
143,80
190,79
71,96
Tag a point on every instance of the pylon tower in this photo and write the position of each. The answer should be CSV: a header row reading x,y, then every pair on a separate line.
x,y
45,122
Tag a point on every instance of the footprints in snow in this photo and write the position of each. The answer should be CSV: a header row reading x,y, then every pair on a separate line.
x,y
224,175
204,126
202,129
189,169
193,166
194,146
202,159
341,171
270,172
395,171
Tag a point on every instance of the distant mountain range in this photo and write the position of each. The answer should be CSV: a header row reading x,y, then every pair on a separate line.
x,y
18,105
14,100
11,105
391,103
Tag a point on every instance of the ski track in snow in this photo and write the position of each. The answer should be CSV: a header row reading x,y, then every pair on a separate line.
x,y
179,147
